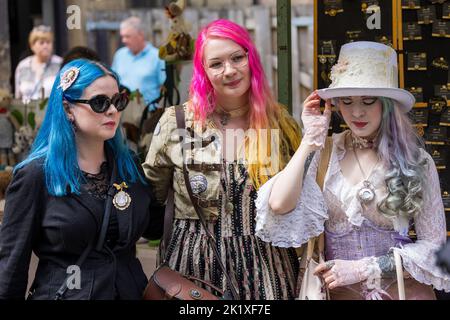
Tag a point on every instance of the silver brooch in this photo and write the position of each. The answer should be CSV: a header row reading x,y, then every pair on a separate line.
x,y
199,183
122,199
68,78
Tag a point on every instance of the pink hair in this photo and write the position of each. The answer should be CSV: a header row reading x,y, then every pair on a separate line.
x,y
265,112
262,104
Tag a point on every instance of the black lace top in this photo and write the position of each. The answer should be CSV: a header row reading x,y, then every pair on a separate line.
x,y
97,186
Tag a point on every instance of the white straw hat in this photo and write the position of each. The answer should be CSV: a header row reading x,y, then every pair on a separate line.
x,y
367,68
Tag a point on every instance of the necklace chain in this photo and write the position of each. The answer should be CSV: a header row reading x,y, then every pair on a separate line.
x,y
225,115
360,166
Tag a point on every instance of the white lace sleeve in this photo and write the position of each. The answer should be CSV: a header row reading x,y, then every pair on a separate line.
x,y
296,227
419,258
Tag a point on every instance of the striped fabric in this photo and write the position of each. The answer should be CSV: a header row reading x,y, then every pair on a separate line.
x,y
259,270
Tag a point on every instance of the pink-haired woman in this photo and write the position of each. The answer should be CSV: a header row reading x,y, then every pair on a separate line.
x,y
229,117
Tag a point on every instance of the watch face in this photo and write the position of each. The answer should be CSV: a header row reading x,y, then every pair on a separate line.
x,y
417,61
410,4
445,117
439,156
446,196
446,10
436,135
333,7
417,92
437,105
354,35
384,40
327,58
426,15
442,91
412,31
419,116
441,29
440,63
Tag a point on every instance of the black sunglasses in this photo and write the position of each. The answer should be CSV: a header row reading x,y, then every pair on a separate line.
x,y
102,102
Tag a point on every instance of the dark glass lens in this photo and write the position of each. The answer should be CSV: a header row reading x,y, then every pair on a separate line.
x,y
120,101
100,103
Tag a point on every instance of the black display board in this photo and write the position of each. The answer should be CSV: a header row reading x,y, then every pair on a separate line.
x,y
428,21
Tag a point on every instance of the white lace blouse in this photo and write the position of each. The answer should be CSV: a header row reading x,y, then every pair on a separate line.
x,y
338,209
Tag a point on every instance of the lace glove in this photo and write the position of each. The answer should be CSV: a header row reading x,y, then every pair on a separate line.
x,y
315,123
338,273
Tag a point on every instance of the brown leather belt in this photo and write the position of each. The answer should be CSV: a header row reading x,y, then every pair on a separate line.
x,y
207,203
204,166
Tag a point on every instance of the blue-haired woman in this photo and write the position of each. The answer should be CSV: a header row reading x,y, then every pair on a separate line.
x,y
79,201
379,183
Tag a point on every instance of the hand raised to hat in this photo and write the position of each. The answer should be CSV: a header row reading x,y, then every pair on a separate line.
x,y
315,122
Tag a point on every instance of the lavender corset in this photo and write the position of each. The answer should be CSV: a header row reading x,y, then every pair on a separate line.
x,y
365,241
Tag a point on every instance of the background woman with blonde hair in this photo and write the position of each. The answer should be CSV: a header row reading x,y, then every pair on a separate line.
x,y
35,74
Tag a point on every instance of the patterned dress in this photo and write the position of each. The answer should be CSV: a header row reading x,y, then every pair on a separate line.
x,y
259,270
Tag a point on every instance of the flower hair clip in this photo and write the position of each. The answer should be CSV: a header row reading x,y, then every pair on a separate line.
x,y
68,78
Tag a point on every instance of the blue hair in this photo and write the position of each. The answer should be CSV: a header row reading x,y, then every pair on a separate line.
x,y
55,142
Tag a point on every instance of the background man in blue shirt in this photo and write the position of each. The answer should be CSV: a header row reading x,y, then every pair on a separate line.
x,y
138,64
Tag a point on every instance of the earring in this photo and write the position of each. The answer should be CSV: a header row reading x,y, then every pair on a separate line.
x,y
72,122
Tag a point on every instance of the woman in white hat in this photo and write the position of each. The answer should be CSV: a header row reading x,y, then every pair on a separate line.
x,y
379,183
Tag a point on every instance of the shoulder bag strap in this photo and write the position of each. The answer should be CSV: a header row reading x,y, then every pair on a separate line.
x,y
181,124
400,279
320,179
168,221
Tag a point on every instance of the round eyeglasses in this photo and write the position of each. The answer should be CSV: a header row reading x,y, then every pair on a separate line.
x,y
236,60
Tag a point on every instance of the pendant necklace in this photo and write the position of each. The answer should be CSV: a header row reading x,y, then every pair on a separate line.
x,y
225,115
367,192
122,199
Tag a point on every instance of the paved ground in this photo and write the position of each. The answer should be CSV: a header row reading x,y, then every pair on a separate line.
x,y
146,254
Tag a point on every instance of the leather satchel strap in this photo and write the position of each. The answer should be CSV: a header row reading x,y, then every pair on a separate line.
x,y
168,220
204,166
179,113
322,169
206,283
166,283
325,156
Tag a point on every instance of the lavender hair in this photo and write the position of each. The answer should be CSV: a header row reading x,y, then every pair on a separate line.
x,y
399,148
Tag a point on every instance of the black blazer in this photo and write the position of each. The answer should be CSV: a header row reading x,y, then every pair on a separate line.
x,y
58,229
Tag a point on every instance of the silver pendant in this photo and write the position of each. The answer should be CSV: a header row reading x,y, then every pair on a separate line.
x,y
367,193
121,200
224,119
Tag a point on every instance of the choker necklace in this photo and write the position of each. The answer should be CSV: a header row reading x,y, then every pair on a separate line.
x,y
363,143
225,115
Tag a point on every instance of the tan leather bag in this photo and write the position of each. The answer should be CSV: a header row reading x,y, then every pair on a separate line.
x,y
166,284
312,287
